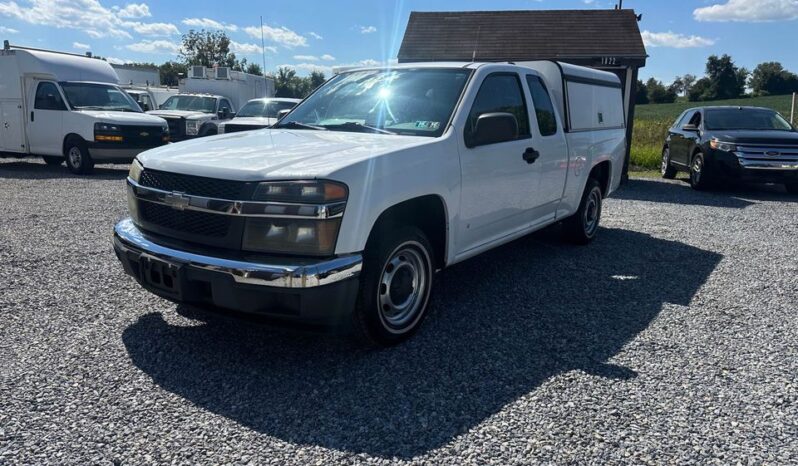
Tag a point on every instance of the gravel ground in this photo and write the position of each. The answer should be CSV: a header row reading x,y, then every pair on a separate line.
x,y
671,339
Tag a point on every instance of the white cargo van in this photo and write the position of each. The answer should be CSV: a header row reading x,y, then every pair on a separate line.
x,y
67,107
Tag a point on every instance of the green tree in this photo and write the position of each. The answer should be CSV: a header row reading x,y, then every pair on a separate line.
x,y
700,91
207,48
658,93
317,78
727,81
171,71
641,93
771,78
253,68
288,84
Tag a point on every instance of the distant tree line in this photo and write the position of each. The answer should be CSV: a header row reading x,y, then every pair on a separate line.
x,y
288,84
722,80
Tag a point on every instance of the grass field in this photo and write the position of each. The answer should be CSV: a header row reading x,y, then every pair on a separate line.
x,y
653,120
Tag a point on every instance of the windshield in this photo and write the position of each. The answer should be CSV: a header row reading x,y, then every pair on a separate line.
x,y
745,118
191,103
416,102
96,96
264,108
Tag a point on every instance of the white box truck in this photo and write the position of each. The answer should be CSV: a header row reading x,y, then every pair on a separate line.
x,y
209,96
67,107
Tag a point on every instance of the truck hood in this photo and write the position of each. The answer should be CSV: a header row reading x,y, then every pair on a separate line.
x,y
179,114
251,121
124,118
274,153
757,137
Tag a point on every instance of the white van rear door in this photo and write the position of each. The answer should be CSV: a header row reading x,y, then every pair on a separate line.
x,y
12,136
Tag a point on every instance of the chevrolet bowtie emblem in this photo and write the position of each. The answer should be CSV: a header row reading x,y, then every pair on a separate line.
x,y
177,200
144,134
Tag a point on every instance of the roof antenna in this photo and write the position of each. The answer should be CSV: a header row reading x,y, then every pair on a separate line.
x,y
476,44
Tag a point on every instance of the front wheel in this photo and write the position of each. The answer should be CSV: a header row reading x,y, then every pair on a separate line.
x,y
699,177
581,227
395,286
666,169
78,159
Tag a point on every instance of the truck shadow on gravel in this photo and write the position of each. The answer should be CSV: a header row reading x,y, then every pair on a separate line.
x,y
501,325
32,170
729,196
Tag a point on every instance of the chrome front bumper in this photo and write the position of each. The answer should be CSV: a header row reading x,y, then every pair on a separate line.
x,y
280,273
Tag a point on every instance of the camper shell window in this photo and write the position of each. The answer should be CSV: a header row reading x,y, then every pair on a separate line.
x,y
594,104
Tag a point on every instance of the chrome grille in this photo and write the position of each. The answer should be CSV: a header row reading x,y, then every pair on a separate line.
x,y
194,185
764,156
195,223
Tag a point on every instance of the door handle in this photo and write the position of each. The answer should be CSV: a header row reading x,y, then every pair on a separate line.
x,y
530,155
31,116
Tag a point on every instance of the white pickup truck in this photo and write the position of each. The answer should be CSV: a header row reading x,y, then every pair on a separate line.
x,y
342,213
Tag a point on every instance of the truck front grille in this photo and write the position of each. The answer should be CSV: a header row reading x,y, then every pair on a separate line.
x,y
194,223
177,127
193,185
142,136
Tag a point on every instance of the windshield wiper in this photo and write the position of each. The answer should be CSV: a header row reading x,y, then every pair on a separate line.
x,y
359,127
298,125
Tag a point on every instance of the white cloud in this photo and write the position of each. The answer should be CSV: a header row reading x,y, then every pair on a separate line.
x,y
367,29
327,57
208,23
248,49
154,29
5,30
315,36
748,11
86,15
281,35
80,46
154,46
134,10
674,40
309,67
306,58
117,61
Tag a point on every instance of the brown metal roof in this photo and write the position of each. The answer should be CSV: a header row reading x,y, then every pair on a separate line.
x,y
521,35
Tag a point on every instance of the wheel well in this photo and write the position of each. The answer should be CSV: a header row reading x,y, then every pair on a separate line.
x,y
206,127
69,138
428,213
601,173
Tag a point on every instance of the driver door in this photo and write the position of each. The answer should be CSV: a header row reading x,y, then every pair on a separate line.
x,y
45,119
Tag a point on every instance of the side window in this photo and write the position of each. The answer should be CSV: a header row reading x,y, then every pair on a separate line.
x,y
544,109
48,97
681,120
500,93
696,119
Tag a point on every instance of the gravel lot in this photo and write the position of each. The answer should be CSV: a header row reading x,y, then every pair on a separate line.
x,y
671,339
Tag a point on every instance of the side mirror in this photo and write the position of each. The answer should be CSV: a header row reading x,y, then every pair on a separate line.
x,y
145,107
492,128
690,127
283,113
224,112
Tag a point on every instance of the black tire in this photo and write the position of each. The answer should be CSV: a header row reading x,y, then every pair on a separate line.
x,y
77,157
208,130
666,169
700,178
582,226
377,320
53,160
792,188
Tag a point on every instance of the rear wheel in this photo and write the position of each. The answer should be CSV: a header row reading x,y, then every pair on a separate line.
x,y
700,179
667,171
53,160
581,227
78,159
395,286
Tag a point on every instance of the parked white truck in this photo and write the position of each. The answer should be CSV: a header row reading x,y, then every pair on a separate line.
x,y
258,113
68,107
342,213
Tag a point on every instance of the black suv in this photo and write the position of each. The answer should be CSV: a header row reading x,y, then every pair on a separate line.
x,y
732,143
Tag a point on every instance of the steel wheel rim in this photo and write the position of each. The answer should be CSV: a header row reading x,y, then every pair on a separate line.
x,y
698,165
592,212
403,286
75,156
665,160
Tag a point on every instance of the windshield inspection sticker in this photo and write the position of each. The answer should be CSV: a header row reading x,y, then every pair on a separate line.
x,y
428,124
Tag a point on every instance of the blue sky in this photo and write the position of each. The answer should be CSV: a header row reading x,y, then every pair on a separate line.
x,y
307,35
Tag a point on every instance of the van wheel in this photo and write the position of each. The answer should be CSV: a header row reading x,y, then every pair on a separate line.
x,y
667,170
78,159
700,179
53,160
395,287
581,227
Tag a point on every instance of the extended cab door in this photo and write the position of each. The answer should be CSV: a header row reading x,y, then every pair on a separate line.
x,y
499,179
45,119
682,142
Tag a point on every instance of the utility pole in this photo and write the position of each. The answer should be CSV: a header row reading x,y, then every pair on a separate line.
x,y
792,108
262,46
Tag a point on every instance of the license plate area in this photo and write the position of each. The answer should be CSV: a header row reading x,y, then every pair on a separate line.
x,y
160,276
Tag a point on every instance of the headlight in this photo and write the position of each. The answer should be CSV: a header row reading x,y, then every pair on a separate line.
x,y
107,132
303,192
724,146
221,128
135,170
192,127
312,211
